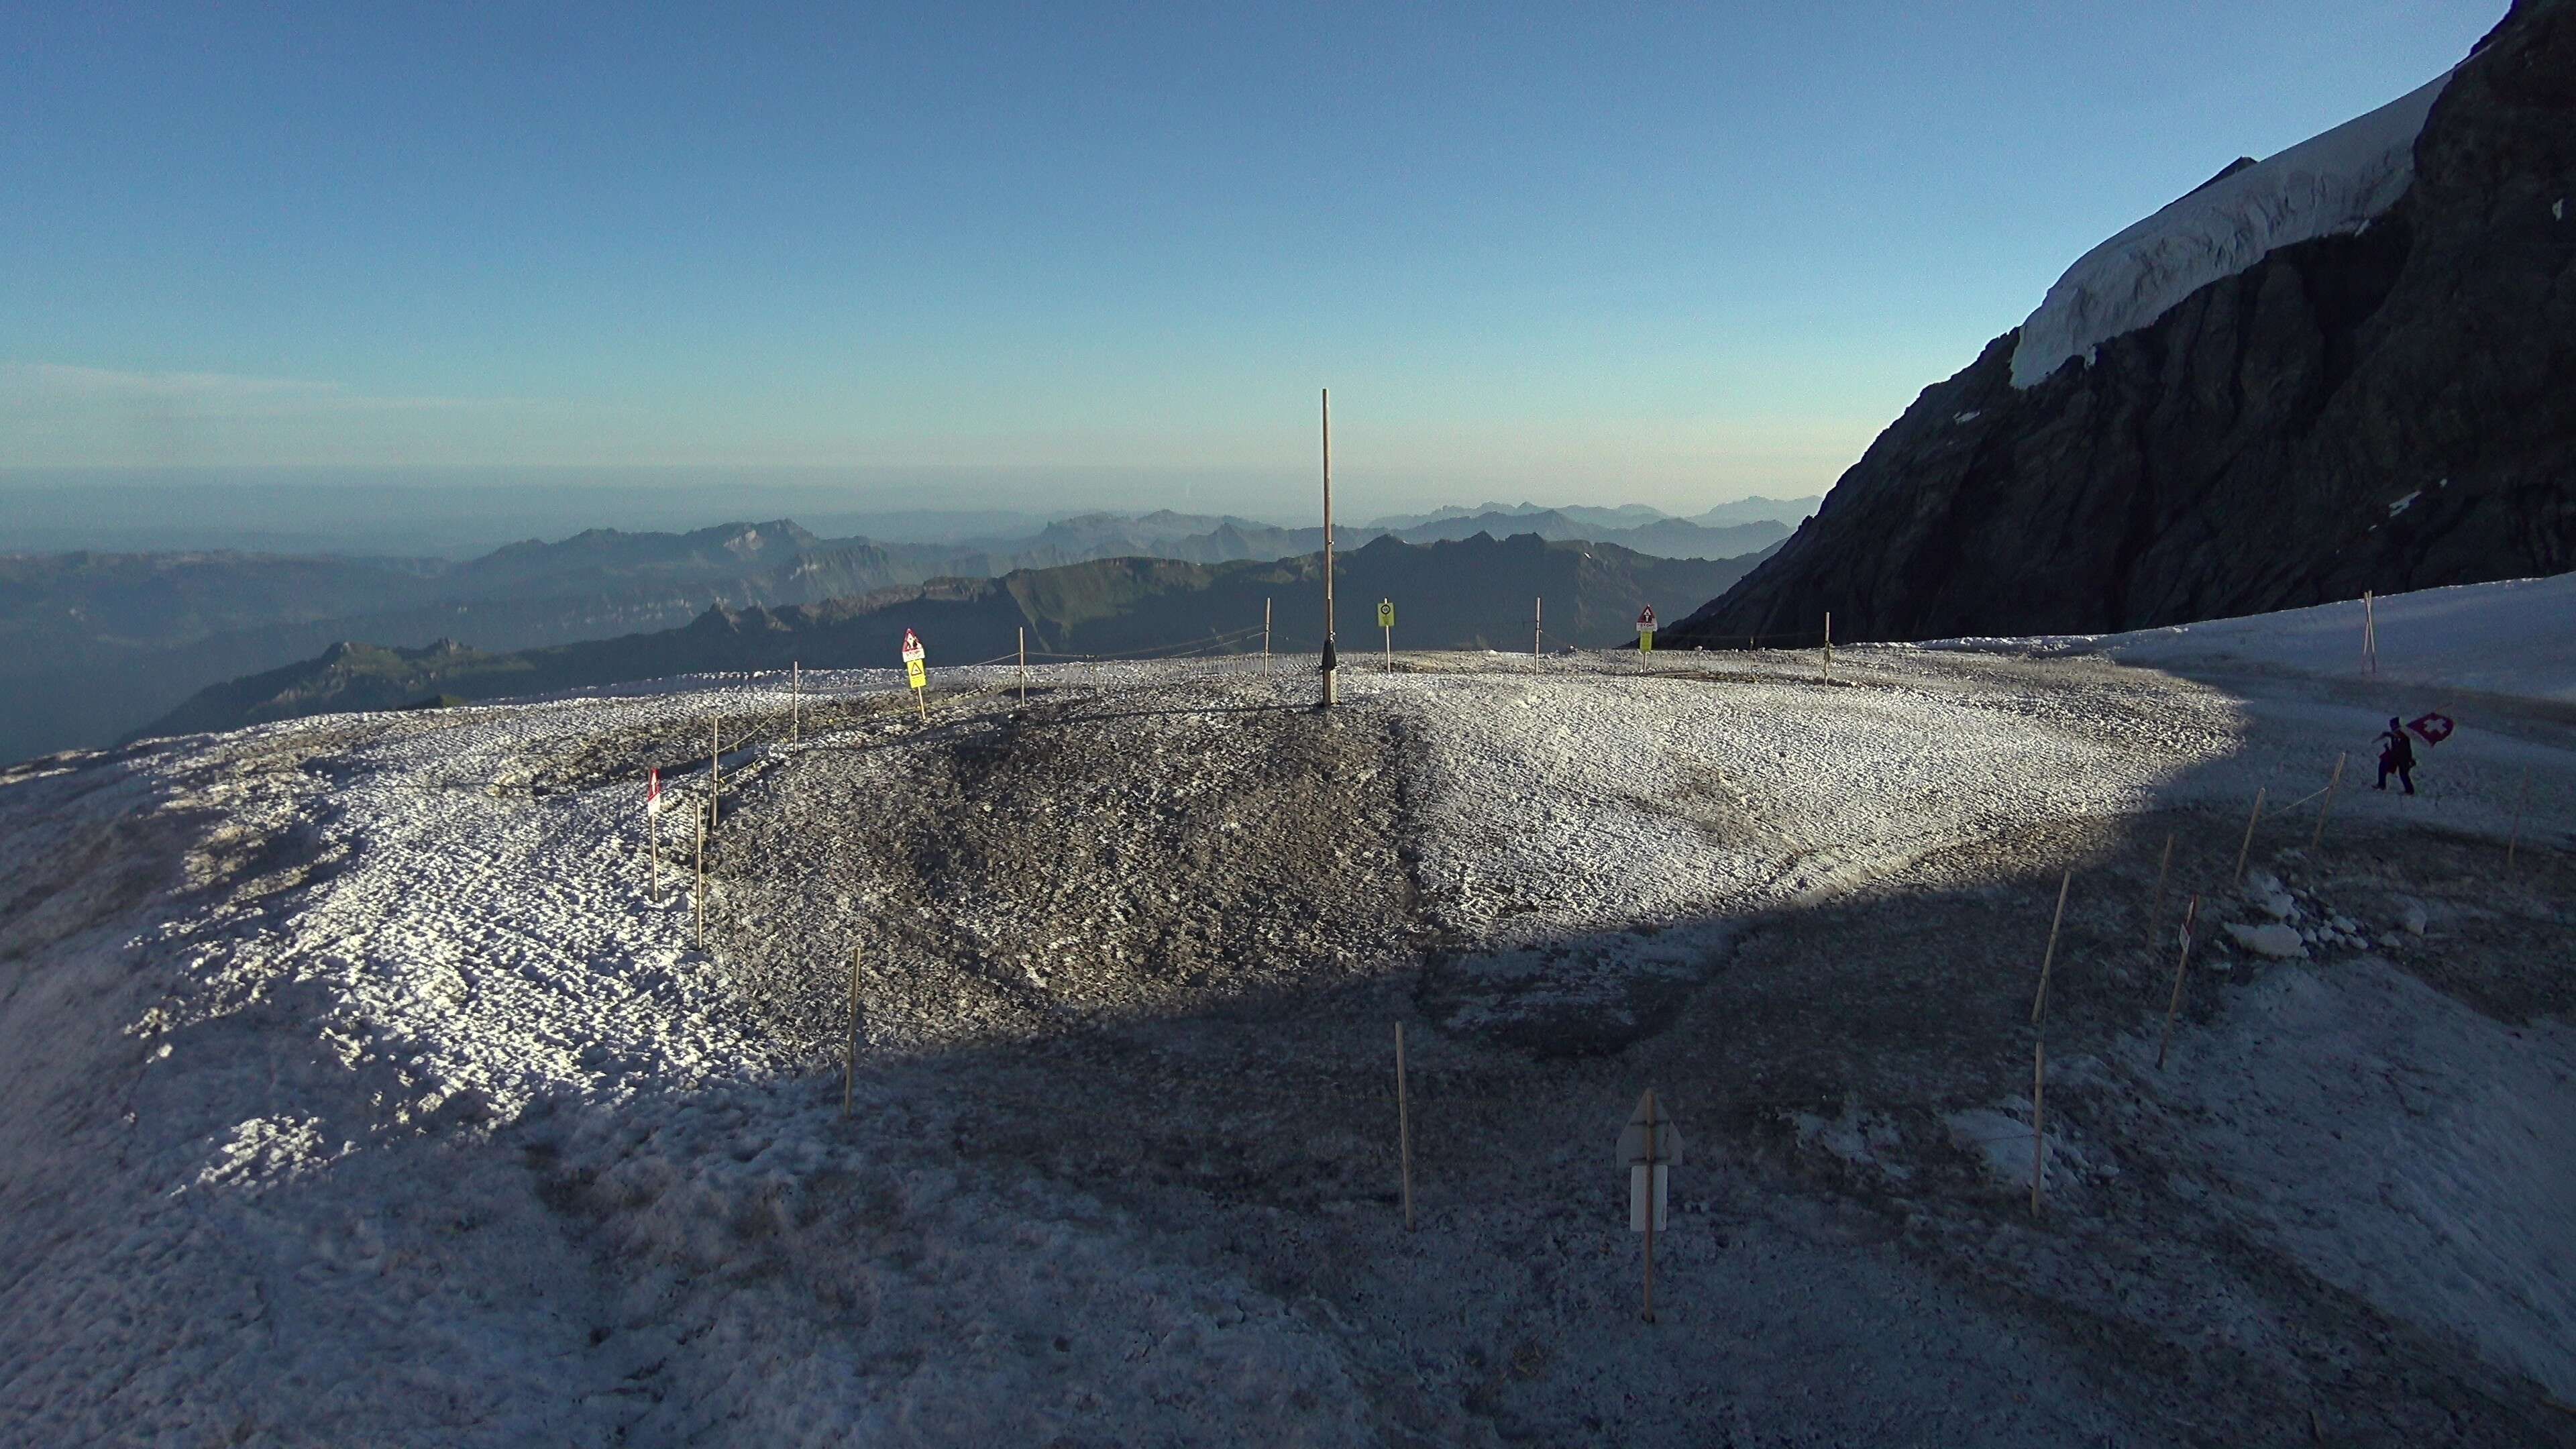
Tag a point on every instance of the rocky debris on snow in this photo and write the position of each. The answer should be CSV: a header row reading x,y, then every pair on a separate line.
x,y
1862,1139
2272,939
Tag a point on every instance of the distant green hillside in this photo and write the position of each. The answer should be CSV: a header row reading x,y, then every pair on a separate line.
x,y
1471,593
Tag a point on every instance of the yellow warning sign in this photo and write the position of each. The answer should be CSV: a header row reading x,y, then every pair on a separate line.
x,y
919,675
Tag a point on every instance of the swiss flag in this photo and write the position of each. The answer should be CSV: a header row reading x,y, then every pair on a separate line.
x,y
2432,728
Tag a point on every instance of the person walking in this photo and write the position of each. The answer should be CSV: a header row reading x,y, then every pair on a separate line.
x,y
2396,755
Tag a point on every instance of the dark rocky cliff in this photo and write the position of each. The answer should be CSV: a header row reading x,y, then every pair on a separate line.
x,y
2246,450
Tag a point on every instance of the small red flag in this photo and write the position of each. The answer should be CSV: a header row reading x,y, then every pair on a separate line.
x,y
653,793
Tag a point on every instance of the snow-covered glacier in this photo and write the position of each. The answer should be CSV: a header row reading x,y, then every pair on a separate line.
x,y
2330,183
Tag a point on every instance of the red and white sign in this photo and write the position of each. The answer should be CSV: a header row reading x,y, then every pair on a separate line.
x,y
2434,728
653,795
911,647
1646,620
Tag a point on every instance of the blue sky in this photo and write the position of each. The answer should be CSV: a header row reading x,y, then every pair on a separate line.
x,y
1590,253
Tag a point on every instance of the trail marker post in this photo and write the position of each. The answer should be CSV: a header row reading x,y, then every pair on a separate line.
x,y
1403,1129
1024,666
1646,630
916,673
1332,659
2317,836
2048,958
1538,624
698,894
2190,914
1265,638
2369,635
653,830
715,767
1829,646
1649,1146
795,702
2247,848
1386,622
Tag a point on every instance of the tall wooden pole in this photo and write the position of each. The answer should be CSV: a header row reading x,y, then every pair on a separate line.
x,y
795,702
2317,837
1024,666
1265,638
2190,913
2038,1139
1538,623
653,844
1403,1128
2039,1003
698,895
715,767
1332,680
1829,646
2251,821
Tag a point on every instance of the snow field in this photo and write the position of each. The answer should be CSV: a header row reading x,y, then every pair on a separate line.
x,y
412,1118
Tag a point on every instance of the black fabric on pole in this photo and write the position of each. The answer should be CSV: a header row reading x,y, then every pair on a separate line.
x,y
1332,659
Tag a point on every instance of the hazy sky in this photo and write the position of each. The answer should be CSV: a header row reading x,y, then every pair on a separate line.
x,y
1582,252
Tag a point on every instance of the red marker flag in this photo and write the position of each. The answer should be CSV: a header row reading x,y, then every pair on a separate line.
x,y
2432,728
653,794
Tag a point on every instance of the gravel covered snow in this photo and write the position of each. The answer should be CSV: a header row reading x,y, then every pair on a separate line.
x,y
361,1090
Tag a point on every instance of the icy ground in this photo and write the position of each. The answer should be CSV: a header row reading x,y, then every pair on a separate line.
x,y
355,1087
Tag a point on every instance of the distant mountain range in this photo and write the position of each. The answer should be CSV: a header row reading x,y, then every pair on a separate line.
x,y
1470,593
93,644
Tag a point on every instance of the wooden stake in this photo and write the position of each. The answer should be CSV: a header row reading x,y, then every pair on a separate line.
x,y
2038,1137
1829,646
2247,848
1332,680
1390,650
2156,903
698,896
2317,837
1265,638
1024,666
795,702
2369,635
850,1077
653,846
2521,798
715,767
1403,1129
1538,620
2190,914
2039,1003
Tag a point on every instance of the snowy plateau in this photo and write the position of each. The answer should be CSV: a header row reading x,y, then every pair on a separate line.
x,y
372,1079
2333,182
